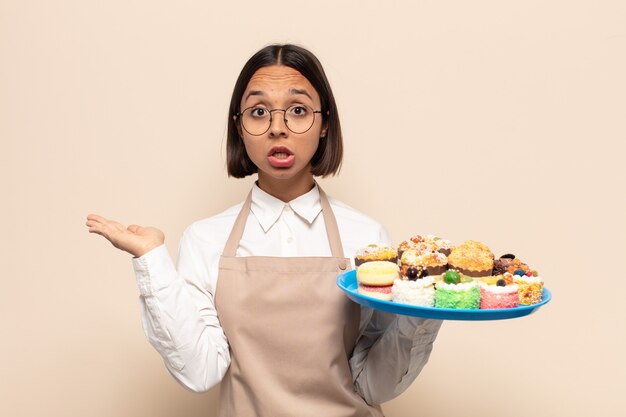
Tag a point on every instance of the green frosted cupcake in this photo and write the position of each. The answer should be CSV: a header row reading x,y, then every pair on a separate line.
x,y
465,295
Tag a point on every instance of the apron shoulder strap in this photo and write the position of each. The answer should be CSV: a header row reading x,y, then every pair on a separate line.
x,y
332,230
237,231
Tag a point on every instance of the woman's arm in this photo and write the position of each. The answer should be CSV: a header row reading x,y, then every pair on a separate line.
x,y
177,308
390,354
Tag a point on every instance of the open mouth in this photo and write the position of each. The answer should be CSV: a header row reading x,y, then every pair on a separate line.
x,y
281,157
280,152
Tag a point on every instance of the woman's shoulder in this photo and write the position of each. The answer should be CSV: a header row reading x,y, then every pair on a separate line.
x,y
350,214
356,225
214,229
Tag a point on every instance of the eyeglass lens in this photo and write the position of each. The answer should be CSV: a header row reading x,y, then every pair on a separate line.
x,y
257,120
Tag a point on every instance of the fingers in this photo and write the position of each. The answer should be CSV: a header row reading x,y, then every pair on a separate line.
x,y
93,220
133,228
97,227
102,226
95,217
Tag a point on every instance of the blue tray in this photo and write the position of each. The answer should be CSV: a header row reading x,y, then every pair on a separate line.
x,y
347,282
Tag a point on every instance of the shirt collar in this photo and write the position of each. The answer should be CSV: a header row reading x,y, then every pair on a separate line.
x,y
267,208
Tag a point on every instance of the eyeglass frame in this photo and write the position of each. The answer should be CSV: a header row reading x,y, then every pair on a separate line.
x,y
269,126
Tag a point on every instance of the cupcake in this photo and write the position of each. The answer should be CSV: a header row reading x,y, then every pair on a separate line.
x,y
419,292
456,291
472,258
376,252
441,245
530,287
435,263
509,263
418,243
499,295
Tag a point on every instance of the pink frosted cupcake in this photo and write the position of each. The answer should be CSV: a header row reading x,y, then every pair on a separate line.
x,y
499,295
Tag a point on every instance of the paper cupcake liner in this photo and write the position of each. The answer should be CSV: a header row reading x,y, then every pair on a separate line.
x,y
473,274
432,270
358,261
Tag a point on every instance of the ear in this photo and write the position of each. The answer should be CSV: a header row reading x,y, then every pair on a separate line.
x,y
238,127
324,130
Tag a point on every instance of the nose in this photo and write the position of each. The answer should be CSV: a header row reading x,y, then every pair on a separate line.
x,y
278,126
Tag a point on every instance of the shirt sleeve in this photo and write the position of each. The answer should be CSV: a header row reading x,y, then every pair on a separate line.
x,y
391,352
179,317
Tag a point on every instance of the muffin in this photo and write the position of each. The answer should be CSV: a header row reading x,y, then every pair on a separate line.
x,y
472,258
435,263
442,245
375,252
416,242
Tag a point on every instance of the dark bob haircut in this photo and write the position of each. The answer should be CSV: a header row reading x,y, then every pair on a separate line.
x,y
327,158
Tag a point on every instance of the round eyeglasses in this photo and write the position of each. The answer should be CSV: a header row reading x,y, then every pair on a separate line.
x,y
257,120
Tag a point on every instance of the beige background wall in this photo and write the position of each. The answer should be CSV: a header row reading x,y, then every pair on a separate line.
x,y
492,120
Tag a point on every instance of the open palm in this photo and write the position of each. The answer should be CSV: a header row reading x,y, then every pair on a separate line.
x,y
134,239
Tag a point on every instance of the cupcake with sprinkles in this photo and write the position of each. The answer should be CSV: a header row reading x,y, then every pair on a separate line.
x,y
457,291
530,287
433,262
502,294
418,243
442,245
376,252
472,258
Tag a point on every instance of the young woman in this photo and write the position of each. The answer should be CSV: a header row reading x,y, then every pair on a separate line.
x,y
252,302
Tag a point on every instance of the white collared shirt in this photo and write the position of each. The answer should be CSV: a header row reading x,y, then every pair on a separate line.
x,y
178,309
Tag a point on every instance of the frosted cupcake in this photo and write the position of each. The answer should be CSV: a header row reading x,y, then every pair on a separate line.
x,y
530,289
499,295
452,292
419,292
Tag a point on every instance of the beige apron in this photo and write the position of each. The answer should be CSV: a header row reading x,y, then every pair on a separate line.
x,y
290,331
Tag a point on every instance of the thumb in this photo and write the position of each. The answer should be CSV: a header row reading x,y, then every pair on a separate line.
x,y
133,228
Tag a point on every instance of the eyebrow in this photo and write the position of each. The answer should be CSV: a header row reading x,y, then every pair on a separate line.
x,y
254,93
293,91
304,92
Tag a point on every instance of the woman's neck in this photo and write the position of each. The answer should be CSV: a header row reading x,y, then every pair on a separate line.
x,y
286,189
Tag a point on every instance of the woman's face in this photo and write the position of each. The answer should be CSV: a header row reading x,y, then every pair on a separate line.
x,y
280,153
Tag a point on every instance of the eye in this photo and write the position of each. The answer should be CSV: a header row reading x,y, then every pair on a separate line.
x,y
298,110
259,112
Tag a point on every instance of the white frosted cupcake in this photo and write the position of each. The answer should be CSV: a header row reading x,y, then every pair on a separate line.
x,y
530,289
420,292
